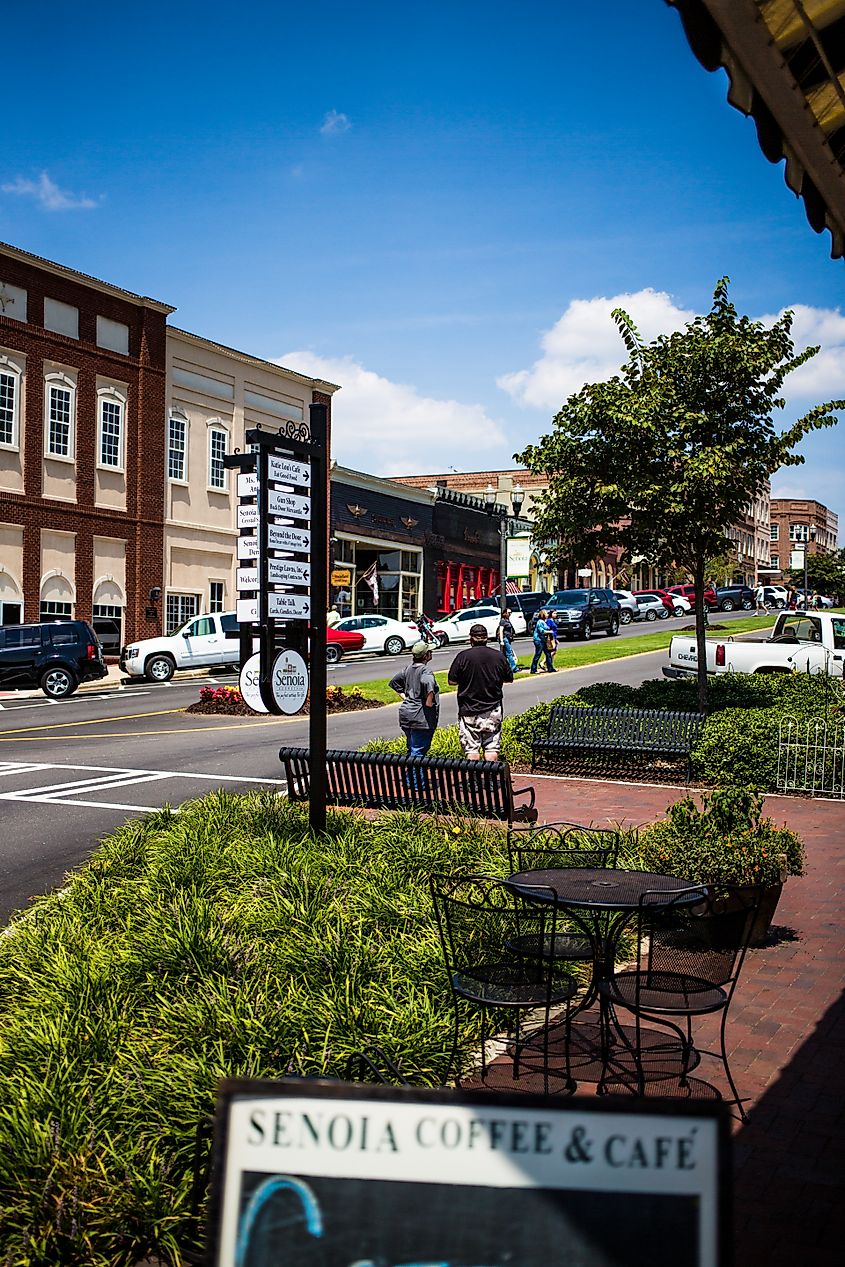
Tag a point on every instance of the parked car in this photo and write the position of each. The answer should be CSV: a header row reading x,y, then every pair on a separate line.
x,y
339,641
799,643
581,613
773,596
688,592
667,599
381,633
55,655
526,603
731,598
652,607
455,628
629,608
200,643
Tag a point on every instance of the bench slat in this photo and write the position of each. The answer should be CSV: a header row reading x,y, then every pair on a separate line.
x,y
633,731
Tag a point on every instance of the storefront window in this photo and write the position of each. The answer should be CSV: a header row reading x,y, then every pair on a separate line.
x,y
397,578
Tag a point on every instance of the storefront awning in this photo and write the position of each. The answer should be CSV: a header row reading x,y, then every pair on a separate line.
x,y
785,61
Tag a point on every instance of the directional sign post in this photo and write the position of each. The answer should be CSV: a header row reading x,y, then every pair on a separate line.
x,y
282,577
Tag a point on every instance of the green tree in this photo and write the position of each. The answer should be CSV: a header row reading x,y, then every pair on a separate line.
x,y
825,574
662,458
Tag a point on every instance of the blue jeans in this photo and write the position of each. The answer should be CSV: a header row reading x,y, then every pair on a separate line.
x,y
419,742
509,655
540,649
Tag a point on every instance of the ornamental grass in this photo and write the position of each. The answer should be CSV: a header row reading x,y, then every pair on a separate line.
x,y
227,940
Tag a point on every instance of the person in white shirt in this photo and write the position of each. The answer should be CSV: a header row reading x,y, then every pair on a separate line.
x,y
760,601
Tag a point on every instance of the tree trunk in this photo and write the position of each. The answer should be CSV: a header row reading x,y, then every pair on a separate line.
x,y
700,631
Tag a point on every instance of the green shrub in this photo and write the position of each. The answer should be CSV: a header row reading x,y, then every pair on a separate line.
x,y
227,940
727,841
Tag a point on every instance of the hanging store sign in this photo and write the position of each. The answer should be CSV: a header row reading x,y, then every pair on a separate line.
x,y
341,576
341,1174
519,557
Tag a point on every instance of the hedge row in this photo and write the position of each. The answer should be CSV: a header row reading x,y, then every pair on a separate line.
x,y
739,742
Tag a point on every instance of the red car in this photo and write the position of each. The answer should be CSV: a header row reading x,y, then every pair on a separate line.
x,y
663,595
688,592
340,640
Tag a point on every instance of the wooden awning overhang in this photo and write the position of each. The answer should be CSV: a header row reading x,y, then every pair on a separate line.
x,y
785,61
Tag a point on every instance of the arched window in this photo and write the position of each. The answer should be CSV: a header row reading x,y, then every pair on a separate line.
x,y
111,425
11,598
177,445
57,597
11,376
218,443
60,417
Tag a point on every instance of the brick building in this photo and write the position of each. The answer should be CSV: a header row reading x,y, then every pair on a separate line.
x,y
82,398
792,520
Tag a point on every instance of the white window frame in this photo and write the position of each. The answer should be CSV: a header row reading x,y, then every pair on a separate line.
x,y
178,416
181,598
60,382
774,532
216,426
111,396
15,372
211,598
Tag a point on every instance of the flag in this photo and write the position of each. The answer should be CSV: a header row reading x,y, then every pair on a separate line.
x,y
511,587
370,578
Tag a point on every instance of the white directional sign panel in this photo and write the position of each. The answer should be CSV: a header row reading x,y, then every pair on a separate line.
x,y
279,537
289,504
247,516
247,485
280,572
288,606
247,547
247,610
286,471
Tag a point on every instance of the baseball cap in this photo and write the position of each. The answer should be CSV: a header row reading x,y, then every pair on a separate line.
x,y
420,649
478,631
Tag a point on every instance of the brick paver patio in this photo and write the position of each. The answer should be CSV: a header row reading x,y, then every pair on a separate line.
x,y
786,1032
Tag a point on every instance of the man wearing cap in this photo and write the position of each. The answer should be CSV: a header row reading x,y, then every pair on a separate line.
x,y
479,674
420,707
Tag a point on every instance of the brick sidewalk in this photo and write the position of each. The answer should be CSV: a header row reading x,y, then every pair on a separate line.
x,y
786,1032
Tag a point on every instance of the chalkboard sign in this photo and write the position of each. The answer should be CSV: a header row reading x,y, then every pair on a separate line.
x,y
328,1174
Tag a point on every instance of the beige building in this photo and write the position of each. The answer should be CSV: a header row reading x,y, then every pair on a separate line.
x,y
214,395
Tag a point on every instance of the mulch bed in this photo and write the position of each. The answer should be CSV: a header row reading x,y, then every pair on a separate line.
x,y
235,707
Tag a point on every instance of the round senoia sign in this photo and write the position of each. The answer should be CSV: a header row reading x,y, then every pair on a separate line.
x,y
290,681
250,684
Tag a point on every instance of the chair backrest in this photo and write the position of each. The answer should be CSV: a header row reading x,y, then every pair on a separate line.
x,y
701,933
561,845
481,920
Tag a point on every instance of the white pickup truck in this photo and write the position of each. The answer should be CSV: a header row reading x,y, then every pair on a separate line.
x,y
200,643
803,642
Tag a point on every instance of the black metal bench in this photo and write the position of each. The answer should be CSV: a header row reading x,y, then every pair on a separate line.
x,y
379,780
632,732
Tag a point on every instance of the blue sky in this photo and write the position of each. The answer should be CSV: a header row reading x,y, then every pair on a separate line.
x,y
435,205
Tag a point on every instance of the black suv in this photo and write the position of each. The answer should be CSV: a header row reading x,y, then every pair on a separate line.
x,y
730,598
55,656
581,613
526,601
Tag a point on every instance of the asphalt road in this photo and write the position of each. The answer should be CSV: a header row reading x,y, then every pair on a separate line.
x,y
70,772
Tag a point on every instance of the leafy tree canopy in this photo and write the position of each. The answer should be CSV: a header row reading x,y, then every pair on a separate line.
x,y
825,574
664,457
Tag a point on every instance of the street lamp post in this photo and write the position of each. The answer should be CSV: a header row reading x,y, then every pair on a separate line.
x,y
806,552
493,507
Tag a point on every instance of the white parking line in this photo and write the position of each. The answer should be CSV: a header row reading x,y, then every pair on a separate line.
x,y
104,778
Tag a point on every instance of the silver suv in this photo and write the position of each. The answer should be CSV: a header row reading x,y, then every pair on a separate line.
x,y
629,608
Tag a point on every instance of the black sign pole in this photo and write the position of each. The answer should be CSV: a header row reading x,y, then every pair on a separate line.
x,y
319,590
266,624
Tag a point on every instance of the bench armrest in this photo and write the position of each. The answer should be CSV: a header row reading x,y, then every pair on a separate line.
x,y
525,813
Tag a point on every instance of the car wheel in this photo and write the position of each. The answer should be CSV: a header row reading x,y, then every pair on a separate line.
x,y
58,683
442,640
587,631
334,653
678,611
625,616
613,627
664,613
394,645
651,614
159,668
726,605
779,604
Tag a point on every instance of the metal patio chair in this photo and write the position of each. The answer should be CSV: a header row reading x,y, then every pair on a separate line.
x,y
690,947
481,920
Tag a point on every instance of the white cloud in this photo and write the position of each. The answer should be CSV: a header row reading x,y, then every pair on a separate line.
x,y
584,345
335,124
823,376
48,194
392,429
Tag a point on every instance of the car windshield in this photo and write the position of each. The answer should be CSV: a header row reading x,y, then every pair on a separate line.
x,y
569,598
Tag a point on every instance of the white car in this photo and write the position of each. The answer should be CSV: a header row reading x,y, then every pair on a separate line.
x,y
652,607
381,633
455,628
683,606
201,643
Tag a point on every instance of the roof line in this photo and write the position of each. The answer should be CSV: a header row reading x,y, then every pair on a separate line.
x,y
248,359
73,274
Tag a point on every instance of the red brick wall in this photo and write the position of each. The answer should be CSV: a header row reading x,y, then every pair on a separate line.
x,y
141,525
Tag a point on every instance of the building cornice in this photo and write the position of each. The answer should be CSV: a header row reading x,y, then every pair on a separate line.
x,y
245,358
381,484
83,279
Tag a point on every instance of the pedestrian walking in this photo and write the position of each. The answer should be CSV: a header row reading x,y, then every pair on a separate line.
x,y
551,635
479,673
505,635
419,711
760,604
332,616
541,648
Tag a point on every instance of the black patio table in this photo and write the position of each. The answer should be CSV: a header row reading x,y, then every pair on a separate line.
x,y
609,898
